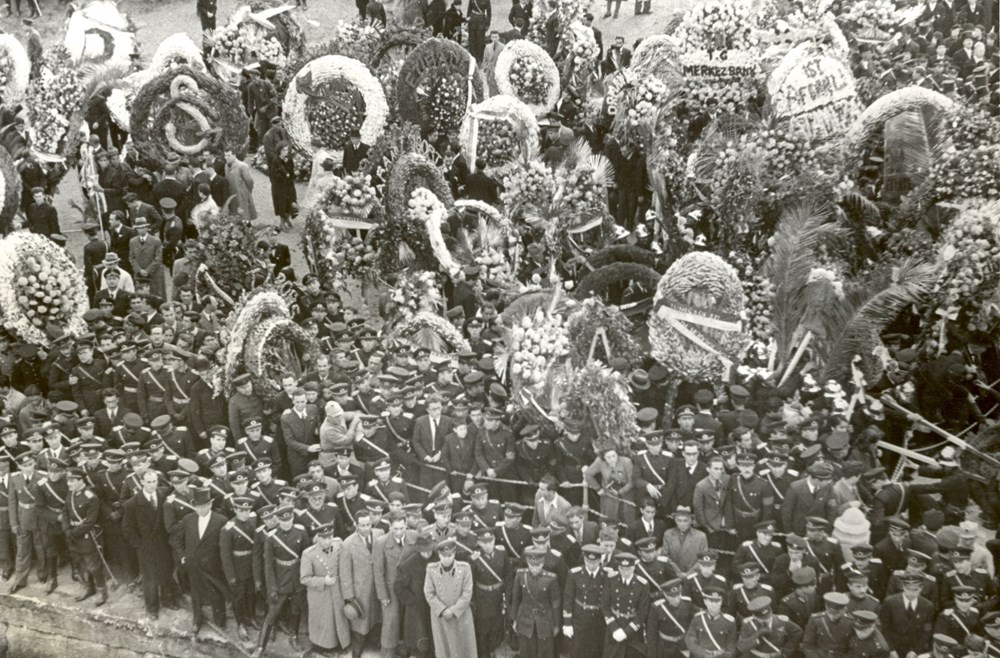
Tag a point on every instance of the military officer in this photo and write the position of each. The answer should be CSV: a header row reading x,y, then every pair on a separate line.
x,y
703,577
269,523
827,633
485,511
625,606
963,575
125,376
862,561
866,640
668,621
317,511
512,532
534,607
746,592
827,552
88,377
236,540
256,445
177,441
651,467
962,620
916,565
750,497
490,566
942,646
778,477
53,491
266,486
859,596
761,550
991,628
767,635
82,511
154,395
25,521
382,486
711,633
282,551
179,383
652,566
583,623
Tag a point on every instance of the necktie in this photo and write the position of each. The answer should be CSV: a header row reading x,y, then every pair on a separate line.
x,y
152,501
368,543
328,551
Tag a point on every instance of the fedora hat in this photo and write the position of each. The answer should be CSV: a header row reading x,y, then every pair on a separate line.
x,y
353,610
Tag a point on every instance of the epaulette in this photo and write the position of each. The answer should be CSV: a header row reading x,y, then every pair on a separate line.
x,y
300,527
519,569
792,472
738,586
286,412
816,614
576,570
498,524
260,528
876,560
765,586
243,440
831,540
229,526
642,580
371,483
663,558
494,501
686,598
87,493
555,552
571,539
280,483
42,480
748,542
363,496
953,572
982,571
610,572
406,414
728,617
526,526
298,512
181,427
782,617
719,576
764,472
625,540
691,576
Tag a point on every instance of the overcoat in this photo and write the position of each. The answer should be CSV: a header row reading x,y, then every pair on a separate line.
x,y
455,637
328,627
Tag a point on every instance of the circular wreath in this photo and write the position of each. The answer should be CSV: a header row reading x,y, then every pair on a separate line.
x,y
39,287
176,50
275,347
593,315
694,329
500,109
102,22
409,172
525,71
884,108
398,41
601,395
430,330
623,253
17,67
312,84
657,55
54,102
487,238
10,190
436,62
186,111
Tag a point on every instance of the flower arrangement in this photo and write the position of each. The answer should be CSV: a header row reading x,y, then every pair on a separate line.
x,y
506,130
52,100
637,107
601,395
967,174
256,307
524,70
497,142
582,191
582,327
358,40
882,15
968,258
353,257
15,67
694,329
39,286
759,291
353,195
438,82
657,55
719,26
100,33
230,243
176,50
535,344
578,52
970,126
415,292
428,329
276,347
243,41
531,185
303,164
329,96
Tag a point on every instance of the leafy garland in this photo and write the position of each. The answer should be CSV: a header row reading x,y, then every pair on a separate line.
x,y
267,367
425,65
229,242
220,104
601,395
525,71
54,102
39,286
256,307
430,330
582,326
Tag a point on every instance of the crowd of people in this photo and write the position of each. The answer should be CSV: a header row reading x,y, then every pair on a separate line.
x,y
395,499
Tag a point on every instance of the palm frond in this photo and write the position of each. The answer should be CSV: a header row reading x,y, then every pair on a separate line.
x,y
429,339
602,171
872,306
576,153
99,76
802,229
907,154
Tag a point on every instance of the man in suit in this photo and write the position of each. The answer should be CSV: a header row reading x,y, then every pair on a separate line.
x,y
807,497
42,216
684,474
647,525
583,531
275,136
548,503
200,553
711,506
145,254
389,550
357,578
142,526
354,152
115,295
428,439
300,429
137,208
703,120
172,188
119,236
588,18
908,618
111,416
618,57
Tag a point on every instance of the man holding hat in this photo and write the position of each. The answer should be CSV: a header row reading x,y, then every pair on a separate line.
x,y
357,578
767,635
448,589
283,548
535,605
711,633
827,633
867,640
907,618
145,254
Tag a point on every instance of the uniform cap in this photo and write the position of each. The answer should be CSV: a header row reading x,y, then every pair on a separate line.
x,y
804,576
284,512
447,546
759,605
836,599
708,557
592,551
535,555
914,554
864,618
646,544
817,523
862,550
765,526
243,503
749,569
712,593
624,559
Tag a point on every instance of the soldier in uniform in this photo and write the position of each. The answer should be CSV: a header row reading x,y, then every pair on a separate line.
x,y
746,592
82,531
371,444
494,450
750,498
991,627
383,485
399,425
317,511
625,606
866,640
668,621
485,511
797,594
282,551
827,633
824,549
154,396
652,566
218,436
511,532
534,608
572,455
88,377
179,383
268,524
177,441
583,621
651,466
490,573
266,486
859,596
767,635
554,560
702,578
52,494
256,445
863,562
349,502
711,633
60,367
25,520
8,539
916,565
962,620
761,550
963,575
125,375
236,540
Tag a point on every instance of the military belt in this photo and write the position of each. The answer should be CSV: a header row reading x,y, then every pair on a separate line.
x,y
670,638
587,606
286,563
130,389
246,553
489,588
155,398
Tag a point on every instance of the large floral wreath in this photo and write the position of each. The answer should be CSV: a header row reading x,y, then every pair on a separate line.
x,y
600,395
54,102
101,33
437,84
245,40
329,97
505,130
525,71
186,111
40,287
430,330
15,67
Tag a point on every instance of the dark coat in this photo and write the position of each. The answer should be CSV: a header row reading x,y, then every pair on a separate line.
x,y
281,173
43,219
144,530
201,555
907,632
416,613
